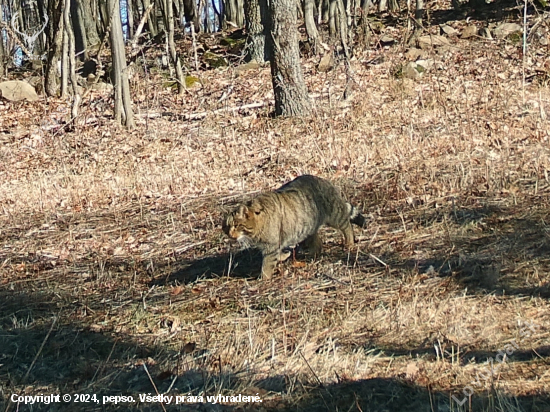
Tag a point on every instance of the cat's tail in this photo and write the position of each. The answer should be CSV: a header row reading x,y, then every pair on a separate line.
x,y
355,216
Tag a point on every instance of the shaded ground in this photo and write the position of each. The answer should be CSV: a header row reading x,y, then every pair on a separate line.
x,y
116,279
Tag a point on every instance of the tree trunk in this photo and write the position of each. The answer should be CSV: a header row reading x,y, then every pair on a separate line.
x,y
169,19
130,13
3,55
311,27
103,21
343,26
123,101
190,12
65,65
256,15
290,92
234,12
332,18
219,12
419,13
393,6
79,32
72,60
151,19
55,39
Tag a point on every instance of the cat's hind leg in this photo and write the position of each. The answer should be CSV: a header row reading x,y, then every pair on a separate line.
x,y
347,231
312,244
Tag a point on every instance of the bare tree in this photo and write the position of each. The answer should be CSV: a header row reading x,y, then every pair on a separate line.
x,y
123,101
169,23
70,50
291,96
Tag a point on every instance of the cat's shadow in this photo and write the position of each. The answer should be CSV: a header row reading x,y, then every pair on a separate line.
x,y
242,264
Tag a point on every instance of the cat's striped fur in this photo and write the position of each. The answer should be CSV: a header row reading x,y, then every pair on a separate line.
x,y
290,215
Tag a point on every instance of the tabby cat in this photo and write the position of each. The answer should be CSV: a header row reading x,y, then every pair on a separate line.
x,y
292,214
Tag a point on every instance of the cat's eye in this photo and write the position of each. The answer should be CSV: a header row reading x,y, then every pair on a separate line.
x,y
258,212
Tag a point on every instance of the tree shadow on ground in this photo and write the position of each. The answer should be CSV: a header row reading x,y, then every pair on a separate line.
x,y
487,249
46,349
380,394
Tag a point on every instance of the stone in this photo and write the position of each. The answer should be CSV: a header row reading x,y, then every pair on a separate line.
x,y
505,29
434,40
17,90
448,30
469,31
326,63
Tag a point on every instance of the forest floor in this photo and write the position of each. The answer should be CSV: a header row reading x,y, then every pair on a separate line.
x,y
116,279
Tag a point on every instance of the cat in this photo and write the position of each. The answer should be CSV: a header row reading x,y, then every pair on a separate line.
x,y
291,215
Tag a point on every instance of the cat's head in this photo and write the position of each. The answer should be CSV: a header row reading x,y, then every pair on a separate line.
x,y
245,221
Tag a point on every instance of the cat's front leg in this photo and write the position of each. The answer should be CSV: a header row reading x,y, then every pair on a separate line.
x,y
269,262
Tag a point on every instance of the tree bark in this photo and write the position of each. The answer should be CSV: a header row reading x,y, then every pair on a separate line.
x,y
290,92
55,39
256,16
123,101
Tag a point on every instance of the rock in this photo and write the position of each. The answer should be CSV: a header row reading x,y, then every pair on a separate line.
x,y
214,60
326,63
448,30
426,64
434,40
411,71
101,87
505,29
485,32
17,90
469,31
191,81
387,40
414,54
376,26
251,65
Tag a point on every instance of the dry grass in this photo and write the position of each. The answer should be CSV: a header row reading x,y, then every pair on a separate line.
x,y
112,257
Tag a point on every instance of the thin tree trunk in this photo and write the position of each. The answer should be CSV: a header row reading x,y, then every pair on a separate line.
x,y
123,101
3,56
72,60
130,14
290,92
419,13
65,65
311,27
343,27
169,18
151,19
332,18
